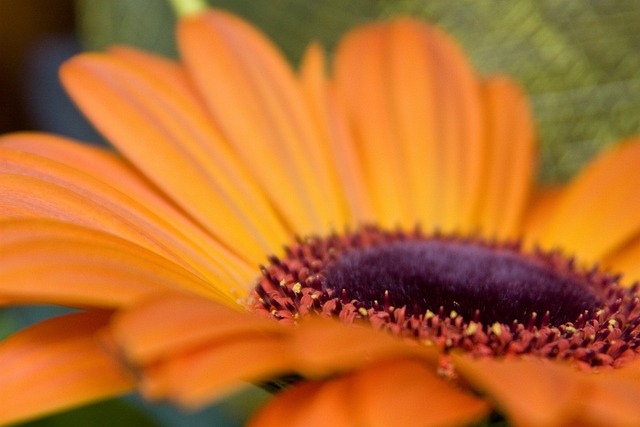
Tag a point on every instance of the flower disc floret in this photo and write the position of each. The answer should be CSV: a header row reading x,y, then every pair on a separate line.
x,y
485,298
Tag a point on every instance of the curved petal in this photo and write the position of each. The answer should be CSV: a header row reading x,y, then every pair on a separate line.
x,y
100,164
146,334
308,404
56,365
195,365
613,397
254,98
625,260
426,400
112,170
510,159
401,392
196,378
323,347
34,186
146,117
530,392
347,174
165,69
50,262
613,400
540,209
598,211
163,346
415,106
292,407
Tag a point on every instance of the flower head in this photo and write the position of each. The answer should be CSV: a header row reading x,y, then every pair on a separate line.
x,y
367,241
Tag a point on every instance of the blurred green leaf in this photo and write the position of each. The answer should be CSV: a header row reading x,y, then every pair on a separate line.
x,y
15,318
8,324
233,411
133,411
102,414
147,24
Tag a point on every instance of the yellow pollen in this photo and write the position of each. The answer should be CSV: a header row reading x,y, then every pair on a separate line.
x,y
453,314
471,329
363,311
297,288
429,314
496,328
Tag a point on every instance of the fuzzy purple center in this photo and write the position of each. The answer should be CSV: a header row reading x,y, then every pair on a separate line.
x,y
499,285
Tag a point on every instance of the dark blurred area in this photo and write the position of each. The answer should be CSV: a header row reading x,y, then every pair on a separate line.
x,y
36,36
23,25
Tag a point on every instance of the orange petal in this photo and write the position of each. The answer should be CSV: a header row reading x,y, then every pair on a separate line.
x,y
323,347
598,211
50,262
196,378
255,99
359,60
147,333
110,169
397,392
407,393
415,106
340,146
625,260
613,400
530,392
147,118
56,365
297,407
510,151
165,69
99,163
32,185
540,209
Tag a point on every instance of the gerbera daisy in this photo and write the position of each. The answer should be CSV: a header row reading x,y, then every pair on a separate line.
x,y
364,244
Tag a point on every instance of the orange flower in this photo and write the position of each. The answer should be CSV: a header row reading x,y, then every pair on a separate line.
x,y
228,155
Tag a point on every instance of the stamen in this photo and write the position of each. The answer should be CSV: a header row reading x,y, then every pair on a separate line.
x,y
482,297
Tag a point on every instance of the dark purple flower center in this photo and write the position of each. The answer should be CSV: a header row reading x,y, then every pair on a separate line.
x,y
422,275
469,294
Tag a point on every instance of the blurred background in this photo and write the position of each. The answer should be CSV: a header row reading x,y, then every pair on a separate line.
x,y
578,61
23,26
